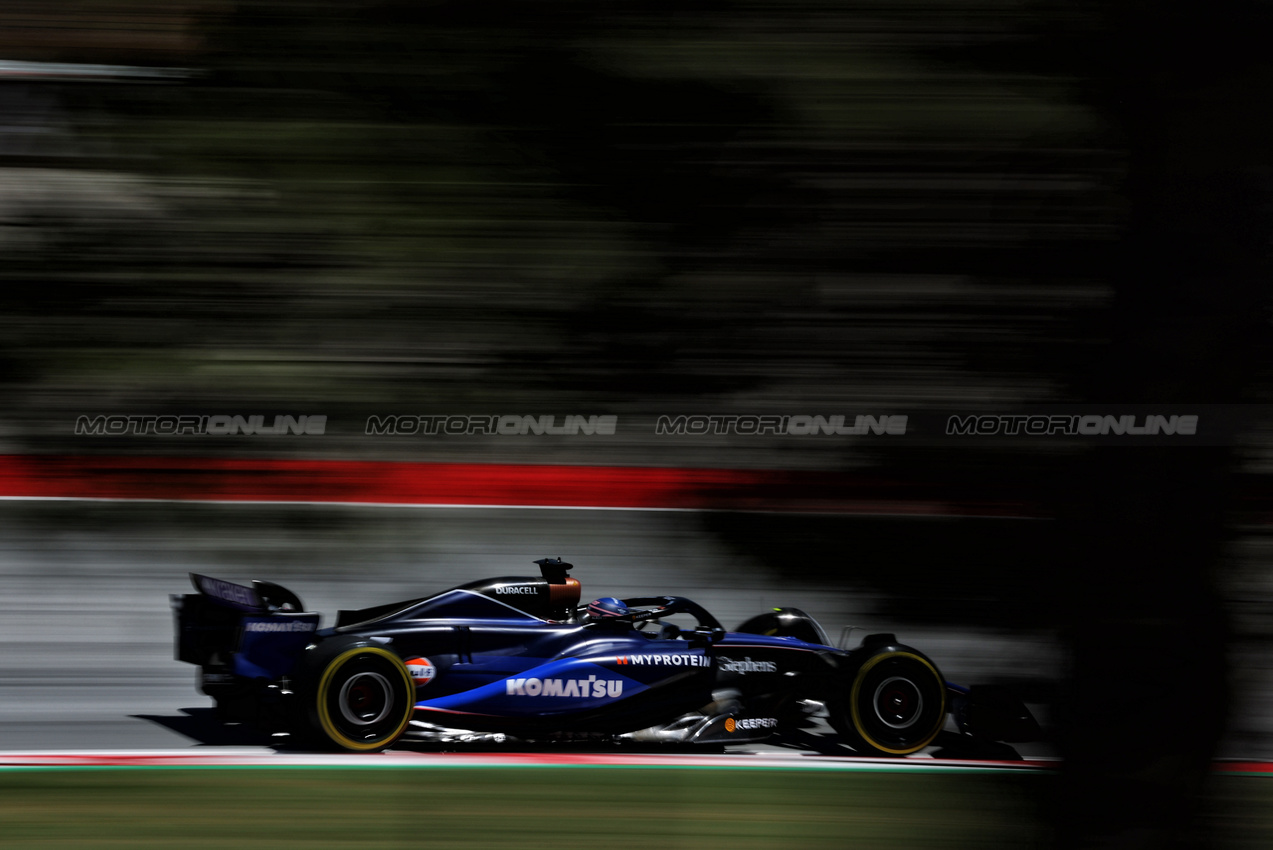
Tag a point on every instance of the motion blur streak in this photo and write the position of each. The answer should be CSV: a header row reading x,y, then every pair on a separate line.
x,y
243,480
351,208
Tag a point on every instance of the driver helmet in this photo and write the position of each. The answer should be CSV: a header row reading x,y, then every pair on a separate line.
x,y
607,608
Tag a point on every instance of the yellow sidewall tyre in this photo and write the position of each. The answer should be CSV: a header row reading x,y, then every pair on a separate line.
x,y
895,703
361,698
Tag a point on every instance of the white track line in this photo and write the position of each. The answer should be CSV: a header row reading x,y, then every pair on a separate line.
x,y
255,757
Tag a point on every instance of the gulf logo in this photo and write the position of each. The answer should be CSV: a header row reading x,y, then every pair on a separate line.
x,y
421,670
730,725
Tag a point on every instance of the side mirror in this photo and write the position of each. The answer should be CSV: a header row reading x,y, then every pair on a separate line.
x,y
705,636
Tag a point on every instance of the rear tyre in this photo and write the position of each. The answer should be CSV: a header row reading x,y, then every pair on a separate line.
x,y
356,696
894,704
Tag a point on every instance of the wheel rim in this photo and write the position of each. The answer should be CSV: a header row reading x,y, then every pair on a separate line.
x,y
366,699
898,702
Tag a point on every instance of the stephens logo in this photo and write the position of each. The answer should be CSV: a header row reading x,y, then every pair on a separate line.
x,y
590,687
747,666
680,659
732,725
516,590
422,671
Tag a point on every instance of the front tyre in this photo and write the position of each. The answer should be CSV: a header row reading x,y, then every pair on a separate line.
x,y
358,697
894,704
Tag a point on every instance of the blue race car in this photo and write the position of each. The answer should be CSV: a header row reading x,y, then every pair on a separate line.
x,y
519,657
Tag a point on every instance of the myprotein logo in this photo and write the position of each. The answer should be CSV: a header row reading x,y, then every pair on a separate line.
x,y
746,666
216,426
674,660
593,687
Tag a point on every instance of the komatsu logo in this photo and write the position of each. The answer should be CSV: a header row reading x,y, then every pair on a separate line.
x,y
677,660
283,626
747,666
581,687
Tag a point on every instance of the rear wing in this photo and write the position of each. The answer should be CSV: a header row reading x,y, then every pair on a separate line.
x,y
256,632
227,593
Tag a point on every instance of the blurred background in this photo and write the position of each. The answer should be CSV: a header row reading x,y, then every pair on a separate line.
x,y
635,209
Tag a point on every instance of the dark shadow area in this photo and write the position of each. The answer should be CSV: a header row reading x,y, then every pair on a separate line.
x,y
202,726
824,744
996,573
951,745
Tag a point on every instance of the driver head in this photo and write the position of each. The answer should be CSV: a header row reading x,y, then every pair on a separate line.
x,y
607,609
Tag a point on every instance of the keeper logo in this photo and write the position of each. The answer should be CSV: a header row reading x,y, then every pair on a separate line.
x,y
748,723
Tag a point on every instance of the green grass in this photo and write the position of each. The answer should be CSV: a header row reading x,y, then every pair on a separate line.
x,y
530,808
554,808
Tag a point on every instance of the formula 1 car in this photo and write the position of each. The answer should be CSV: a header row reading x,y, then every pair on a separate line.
x,y
518,657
